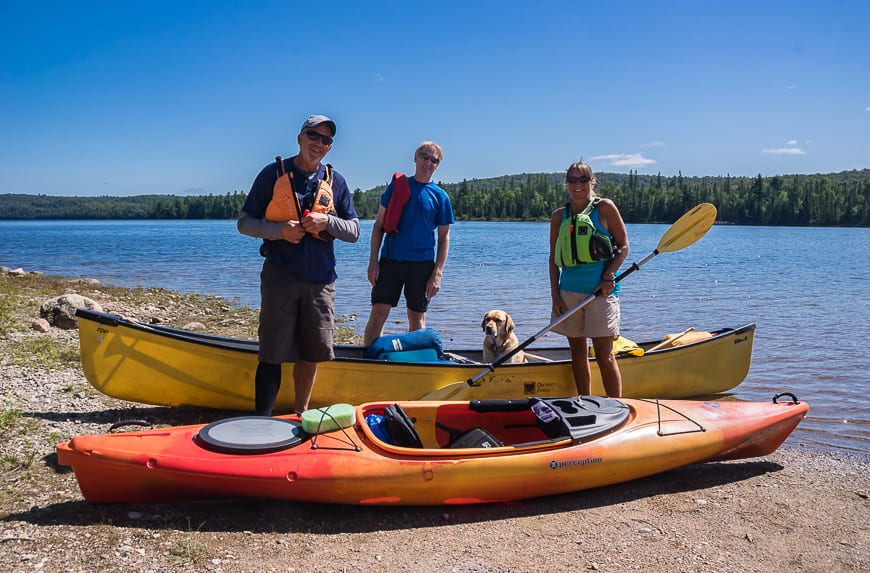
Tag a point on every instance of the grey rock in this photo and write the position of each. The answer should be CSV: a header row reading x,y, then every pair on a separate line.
x,y
61,311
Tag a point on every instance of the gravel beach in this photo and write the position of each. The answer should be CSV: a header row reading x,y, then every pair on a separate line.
x,y
795,510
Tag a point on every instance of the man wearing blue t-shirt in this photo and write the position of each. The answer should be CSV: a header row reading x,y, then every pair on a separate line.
x,y
404,234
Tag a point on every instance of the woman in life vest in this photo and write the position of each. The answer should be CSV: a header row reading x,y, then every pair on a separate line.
x,y
588,243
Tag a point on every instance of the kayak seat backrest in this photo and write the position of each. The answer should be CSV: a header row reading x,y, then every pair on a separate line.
x,y
401,427
579,417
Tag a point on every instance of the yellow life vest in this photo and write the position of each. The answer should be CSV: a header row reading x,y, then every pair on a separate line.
x,y
621,347
284,205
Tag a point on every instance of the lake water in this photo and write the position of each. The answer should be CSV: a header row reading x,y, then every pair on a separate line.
x,y
807,289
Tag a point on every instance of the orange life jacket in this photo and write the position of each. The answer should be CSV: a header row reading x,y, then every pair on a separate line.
x,y
284,205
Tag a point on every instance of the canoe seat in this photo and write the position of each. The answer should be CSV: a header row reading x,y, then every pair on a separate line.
x,y
673,340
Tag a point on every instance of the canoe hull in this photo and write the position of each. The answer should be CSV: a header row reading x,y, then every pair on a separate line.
x,y
169,367
354,467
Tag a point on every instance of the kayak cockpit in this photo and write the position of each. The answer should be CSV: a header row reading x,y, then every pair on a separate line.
x,y
425,428
489,426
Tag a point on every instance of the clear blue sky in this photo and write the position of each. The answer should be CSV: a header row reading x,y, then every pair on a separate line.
x,y
188,97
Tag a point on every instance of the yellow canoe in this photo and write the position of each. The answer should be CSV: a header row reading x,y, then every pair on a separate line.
x,y
154,364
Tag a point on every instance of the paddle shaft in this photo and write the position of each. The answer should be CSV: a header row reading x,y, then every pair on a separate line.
x,y
507,356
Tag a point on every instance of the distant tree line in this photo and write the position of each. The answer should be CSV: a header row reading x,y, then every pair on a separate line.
x,y
136,207
836,199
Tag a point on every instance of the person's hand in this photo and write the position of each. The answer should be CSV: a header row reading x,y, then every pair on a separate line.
x,y
373,272
559,306
606,286
292,232
314,223
433,287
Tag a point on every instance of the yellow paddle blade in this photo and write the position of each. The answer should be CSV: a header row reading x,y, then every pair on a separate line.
x,y
688,228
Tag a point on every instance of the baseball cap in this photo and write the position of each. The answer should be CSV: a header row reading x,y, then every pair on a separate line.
x,y
314,120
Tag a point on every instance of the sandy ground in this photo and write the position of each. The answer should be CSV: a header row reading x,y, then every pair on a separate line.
x,y
795,510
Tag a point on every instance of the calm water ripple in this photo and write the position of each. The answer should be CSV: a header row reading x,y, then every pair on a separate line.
x,y
807,289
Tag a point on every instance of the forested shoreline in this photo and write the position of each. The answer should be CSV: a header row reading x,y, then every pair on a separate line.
x,y
835,199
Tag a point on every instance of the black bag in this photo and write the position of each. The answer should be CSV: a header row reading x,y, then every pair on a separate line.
x,y
401,427
475,438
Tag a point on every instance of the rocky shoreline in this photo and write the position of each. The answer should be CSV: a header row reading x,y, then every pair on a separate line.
x,y
796,510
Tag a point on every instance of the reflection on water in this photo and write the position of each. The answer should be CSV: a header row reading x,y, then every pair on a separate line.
x,y
811,314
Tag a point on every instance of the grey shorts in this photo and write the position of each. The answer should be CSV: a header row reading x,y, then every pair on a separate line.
x,y
296,318
597,319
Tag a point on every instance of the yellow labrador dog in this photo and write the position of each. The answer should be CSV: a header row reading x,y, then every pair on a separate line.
x,y
499,337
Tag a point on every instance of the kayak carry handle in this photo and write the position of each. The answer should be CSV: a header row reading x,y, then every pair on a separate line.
x,y
122,423
794,399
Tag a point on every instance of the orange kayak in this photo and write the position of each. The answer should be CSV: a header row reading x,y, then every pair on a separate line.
x,y
426,453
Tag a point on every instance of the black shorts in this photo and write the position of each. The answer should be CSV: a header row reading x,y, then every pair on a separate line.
x,y
394,275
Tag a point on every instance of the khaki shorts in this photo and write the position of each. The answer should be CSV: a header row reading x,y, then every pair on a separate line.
x,y
597,319
296,318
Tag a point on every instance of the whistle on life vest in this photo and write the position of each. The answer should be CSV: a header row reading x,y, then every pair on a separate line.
x,y
305,212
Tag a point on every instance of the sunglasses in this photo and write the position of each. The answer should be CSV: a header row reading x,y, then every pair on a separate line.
x,y
314,136
427,157
575,180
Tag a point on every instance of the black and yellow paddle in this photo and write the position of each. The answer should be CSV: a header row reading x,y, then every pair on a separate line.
x,y
684,232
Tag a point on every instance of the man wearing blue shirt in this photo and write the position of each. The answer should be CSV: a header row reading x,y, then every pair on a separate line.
x,y
410,257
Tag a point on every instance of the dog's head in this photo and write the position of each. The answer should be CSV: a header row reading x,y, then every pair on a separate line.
x,y
497,323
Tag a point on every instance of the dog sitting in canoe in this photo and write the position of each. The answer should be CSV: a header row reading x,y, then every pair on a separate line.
x,y
499,337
